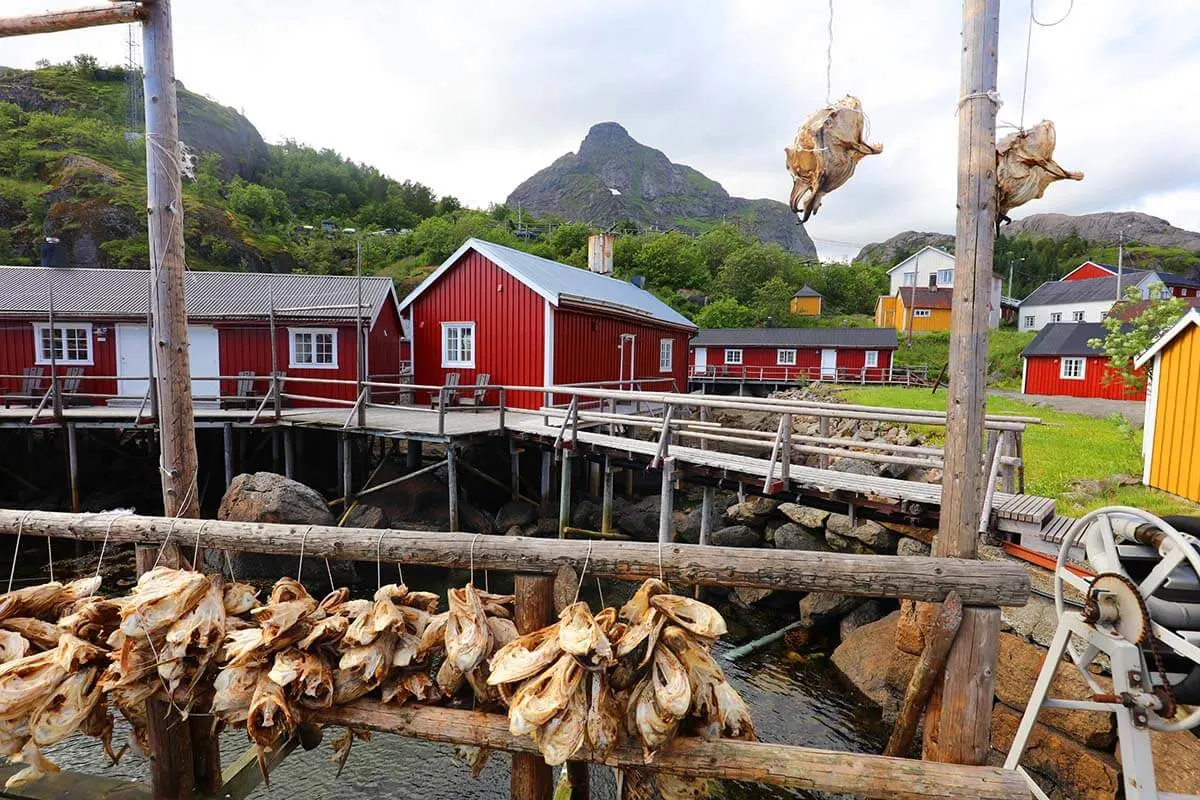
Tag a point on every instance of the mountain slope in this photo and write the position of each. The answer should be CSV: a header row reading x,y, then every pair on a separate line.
x,y
1105,227
614,178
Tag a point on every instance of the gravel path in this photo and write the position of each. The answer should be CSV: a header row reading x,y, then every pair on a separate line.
x,y
1132,410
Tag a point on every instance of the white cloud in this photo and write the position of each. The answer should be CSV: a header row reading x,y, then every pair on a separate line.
x,y
471,96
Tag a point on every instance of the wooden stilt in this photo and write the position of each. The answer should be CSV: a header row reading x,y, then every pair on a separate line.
x,y
227,446
347,469
531,778
514,470
545,485
412,454
452,486
595,472
606,502
942,631
785,454
964,724
277,450
823,430
289,453
73,466
706,513
666,533
564,493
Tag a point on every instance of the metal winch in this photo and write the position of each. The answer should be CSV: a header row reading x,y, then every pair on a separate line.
x,y
1141,608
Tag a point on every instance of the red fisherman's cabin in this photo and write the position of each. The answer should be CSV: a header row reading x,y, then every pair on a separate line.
x,y
497,315
99,345
788,355
1059,361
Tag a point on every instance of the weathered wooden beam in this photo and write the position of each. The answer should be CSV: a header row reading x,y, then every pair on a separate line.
x,y
814,770
531,779
914,577
929,667
72,19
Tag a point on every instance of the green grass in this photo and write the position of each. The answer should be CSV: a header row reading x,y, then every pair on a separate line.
x,y
1067,447
1004,354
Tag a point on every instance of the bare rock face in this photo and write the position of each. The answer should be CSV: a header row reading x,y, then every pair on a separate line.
x,y
269,497
1081,773
870,661
912,625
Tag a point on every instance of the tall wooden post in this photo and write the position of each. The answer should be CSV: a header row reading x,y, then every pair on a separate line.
x,y
531,778
964,726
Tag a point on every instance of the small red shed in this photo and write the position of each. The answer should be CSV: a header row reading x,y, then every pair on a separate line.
x,y
522,320
101,335
1059,361
793,354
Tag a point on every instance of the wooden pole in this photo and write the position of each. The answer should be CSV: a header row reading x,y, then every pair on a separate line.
x,y
55,21
564,492
347,469
964,734
809,769
545,484
73,466
665,532
412,454
452,485
289,452
914,577
227,447
514,471
942,630
531,778
785,464
606,501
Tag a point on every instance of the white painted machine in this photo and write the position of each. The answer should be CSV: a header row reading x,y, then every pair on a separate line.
x,y
1141,610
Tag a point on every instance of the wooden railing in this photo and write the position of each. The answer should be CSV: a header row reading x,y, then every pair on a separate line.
x,y
894,375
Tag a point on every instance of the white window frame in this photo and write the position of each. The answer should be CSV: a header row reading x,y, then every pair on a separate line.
x,y
948,279
785,357
871,358
41,356
1074,361
666,355
460,362
294,333
733,356
1055,316
922,312
1030,320
1076,316
909,279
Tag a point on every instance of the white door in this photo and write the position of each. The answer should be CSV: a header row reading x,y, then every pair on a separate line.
x,y
133,361
628,365
701,360
829,365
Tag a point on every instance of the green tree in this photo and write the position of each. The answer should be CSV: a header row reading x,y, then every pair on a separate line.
x,y
264,206
726,313
773,298
746,269
1125,341
569,238
716,244
448,205
671,261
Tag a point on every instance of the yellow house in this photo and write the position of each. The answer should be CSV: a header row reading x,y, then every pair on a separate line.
x,y
1169,443
806,302
921,309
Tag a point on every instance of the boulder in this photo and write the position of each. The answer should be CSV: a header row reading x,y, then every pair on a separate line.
x,y
753,509
650,503
870,533
1081,773
792,536
911,531
586,515
845,545
865,614
912,625
812,518
687,526
364,516
474,520
911,547
515,512
546,528
746,596
873,665
1018,666
1035,621
818,608
736,536
270,497
854,466
639,524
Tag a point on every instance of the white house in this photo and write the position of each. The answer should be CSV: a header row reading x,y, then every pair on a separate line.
x,y
931,267
1087,300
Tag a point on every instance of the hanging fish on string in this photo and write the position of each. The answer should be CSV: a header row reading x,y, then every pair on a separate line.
x,y
827,148
1025,166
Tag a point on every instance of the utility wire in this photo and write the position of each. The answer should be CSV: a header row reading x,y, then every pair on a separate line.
x,y
1033,20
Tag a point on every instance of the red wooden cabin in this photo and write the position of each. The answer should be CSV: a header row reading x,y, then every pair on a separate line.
x,y
522,320
100,330
1059,361
793,354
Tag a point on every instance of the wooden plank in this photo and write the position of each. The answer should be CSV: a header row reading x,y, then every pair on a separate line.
x,y
531,778
809,769
73,19
942,631
966,709
915,577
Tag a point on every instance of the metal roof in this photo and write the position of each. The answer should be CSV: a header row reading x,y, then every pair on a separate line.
x,y
1066,339
208,295
1089,290
806,291
1168,278
850,338
926,298
560,283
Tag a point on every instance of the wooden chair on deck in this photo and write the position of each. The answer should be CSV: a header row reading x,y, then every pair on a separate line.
x,y
451,393
477,397
243,394
70,387
31,388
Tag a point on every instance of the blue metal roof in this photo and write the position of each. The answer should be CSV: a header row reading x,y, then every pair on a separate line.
x,y
560,282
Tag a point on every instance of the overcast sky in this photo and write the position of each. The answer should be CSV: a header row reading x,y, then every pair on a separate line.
x,y
473,96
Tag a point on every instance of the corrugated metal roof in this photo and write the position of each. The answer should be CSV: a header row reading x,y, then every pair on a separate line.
x,y
863,338
208,295
1066,339
926,298
807,291
1168,278
561,282
1089,290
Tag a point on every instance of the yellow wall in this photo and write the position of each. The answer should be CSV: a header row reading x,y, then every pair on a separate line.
x,y
938,319
1174,464
885,312
806,306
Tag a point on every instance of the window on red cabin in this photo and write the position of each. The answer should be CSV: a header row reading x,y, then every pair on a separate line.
x,y
458,344
666,353
312,348
871,359
733,356
70,344
785,357
1072,368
